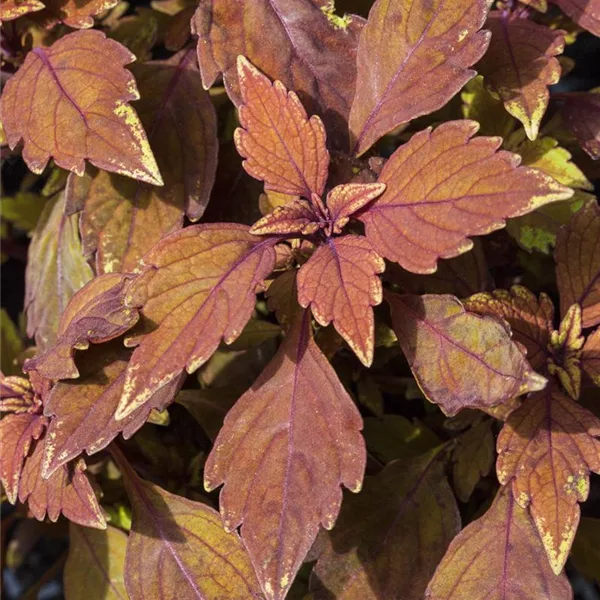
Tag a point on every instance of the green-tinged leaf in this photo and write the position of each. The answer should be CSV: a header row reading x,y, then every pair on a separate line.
x,y
56,269
208,407
11,345
284,451
95,565
389,539
498,557
586,13
22,210
460,360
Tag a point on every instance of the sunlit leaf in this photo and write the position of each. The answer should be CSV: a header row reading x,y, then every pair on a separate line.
x,y
340,284
83,411
287,153
442,187
548,446
586,13
78,14
13,9
289,40
531,319
590,356
577,256
498,557
178,548
286,447
197,287
460,360
413,56
96,313
389,539
56,269
69,102
95,564
520,64
296,216
581,114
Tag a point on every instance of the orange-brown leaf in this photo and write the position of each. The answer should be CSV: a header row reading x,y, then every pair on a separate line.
x,y
177,548
69,102
196,288
96,313
586,13
389,539
67,491
82,412
442,187
282,298
13,9
284,451
346,199
460,360
56,270
520,64
289,40
295,217
413,56
78,14
531,320
281,145
577,256
590,356
548,446
340,283
498,557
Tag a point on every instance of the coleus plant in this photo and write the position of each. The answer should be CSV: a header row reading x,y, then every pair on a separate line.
x,y
267,327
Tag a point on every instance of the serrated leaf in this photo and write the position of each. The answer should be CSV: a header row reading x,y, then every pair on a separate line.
x,y
339,283
178,548
296,216
96,122
82,412
56,269
498,557
18,432
459,359
473,458
590,356
95,564
581,114
78,14
520,64
413,41
197,287
11,345
13,9
442,187
284,451
548,446
586,13
302,50
389,539
577,256
67,491
96,313
531,319
288,152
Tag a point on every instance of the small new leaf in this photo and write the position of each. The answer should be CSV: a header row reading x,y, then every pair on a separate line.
x,y
459,359
69,102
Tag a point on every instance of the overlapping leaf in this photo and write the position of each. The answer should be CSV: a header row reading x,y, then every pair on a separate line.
x,y
285,449
577,256
389,539
548,446
460,360
281,145
95,564
56,269
340,284
96,313
586,13
520,64
78,14
442,187
531,319
83,411
590,356
197,287
69,102
13,9
302,50
178,548
581,113
424,51
498,557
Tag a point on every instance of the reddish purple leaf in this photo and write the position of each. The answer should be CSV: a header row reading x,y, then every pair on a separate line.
x,y
586,13
581,114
